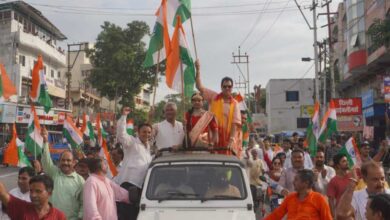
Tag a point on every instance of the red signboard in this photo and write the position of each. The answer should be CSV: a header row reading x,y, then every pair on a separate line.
x,y
348,106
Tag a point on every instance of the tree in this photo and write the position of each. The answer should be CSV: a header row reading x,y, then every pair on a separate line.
x,y
379,32
176,98
117,62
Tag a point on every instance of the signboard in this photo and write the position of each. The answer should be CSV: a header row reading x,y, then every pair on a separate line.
x,y
348,106
368,98
368,112
307,111
386,88
350,123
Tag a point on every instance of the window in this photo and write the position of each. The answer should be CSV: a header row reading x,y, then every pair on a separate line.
x,y
303,122
22,60
59,75
292,96
52,73
190,182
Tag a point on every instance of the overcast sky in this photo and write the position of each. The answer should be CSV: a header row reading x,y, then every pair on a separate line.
x,y
272,32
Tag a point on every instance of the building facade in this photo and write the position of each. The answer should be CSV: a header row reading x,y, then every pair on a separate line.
x,y
362,68
291,104
24,34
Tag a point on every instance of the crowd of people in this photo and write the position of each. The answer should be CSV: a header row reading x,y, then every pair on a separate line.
x,y
295,184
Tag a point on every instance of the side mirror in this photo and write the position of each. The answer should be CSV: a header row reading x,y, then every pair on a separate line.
x,y
134,194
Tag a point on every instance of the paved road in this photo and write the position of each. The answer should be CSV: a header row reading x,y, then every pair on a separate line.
x,y
9,176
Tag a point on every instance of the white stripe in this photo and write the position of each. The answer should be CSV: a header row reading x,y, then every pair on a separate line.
x,y
36,136
75,136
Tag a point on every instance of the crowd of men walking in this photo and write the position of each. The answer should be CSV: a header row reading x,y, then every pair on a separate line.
x,y
323,187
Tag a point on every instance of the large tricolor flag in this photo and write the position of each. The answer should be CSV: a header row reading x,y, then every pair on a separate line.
x,y
329,123
13,154
112,171
313,130
159,44
180,69
7,89
87,128
39,90
34,140
179,8
72,133
130,127
351,150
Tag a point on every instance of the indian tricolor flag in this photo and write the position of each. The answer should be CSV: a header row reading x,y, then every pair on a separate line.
x,y
13,154
329,123
180,70
39,91
87,128
159,44
7,89
104,150
130,127
351,150
313,131
178,8
72,133
34,140
241,102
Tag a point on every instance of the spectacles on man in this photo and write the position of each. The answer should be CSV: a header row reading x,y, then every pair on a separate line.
x,y
227,86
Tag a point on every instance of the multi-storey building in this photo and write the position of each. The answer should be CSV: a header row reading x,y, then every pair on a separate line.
x,y
289,104
361,67
24,34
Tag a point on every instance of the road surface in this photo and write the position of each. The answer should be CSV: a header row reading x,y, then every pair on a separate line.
x,y
9,176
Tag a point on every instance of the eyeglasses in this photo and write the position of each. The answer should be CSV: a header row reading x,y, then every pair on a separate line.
x,y
227,86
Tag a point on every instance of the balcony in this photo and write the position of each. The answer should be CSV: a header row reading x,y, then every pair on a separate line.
x,y
34,43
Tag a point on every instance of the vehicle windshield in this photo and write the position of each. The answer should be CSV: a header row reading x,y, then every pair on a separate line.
x,y
196,182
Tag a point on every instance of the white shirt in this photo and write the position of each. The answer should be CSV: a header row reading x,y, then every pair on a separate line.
x,y
167,135
359,202
308,164
18,194
136,159
321,185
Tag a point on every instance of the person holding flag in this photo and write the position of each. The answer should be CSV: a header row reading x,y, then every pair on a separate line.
x,y
226,111
68,185
136,160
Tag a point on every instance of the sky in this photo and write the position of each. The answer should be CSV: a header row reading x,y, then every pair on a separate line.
x,y
272,32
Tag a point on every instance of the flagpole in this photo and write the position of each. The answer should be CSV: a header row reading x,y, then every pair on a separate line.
x,y
182,94
156,78
193,37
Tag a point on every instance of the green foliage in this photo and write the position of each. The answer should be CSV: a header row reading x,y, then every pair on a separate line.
x,y
139,116
379,33
117,61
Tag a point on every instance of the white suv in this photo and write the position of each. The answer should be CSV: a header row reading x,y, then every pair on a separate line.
x,y
196,185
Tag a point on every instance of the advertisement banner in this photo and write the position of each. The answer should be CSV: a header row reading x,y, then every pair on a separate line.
x,y
367,98
348,106
307,111
350,123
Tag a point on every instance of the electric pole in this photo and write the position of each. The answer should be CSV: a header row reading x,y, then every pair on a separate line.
x,y
72,48
243,59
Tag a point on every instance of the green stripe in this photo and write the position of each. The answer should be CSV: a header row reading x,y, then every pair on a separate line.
x,y
91,133
30,143
184,11
331,128
156,43
189,72
344,151
44,99
70,139
23,160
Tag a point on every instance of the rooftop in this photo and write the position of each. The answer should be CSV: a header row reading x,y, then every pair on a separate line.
x,y
35,15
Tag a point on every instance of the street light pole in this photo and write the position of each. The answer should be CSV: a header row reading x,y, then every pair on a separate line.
x,y
315,45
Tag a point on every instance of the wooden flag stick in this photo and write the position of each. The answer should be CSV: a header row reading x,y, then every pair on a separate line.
x,y
156,79
193,37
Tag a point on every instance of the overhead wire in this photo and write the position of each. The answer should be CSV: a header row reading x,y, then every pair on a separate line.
x,y
254,25
269,28
296,82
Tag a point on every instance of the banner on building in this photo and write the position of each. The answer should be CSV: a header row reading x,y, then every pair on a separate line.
x,y
307,111
350,123
348,106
